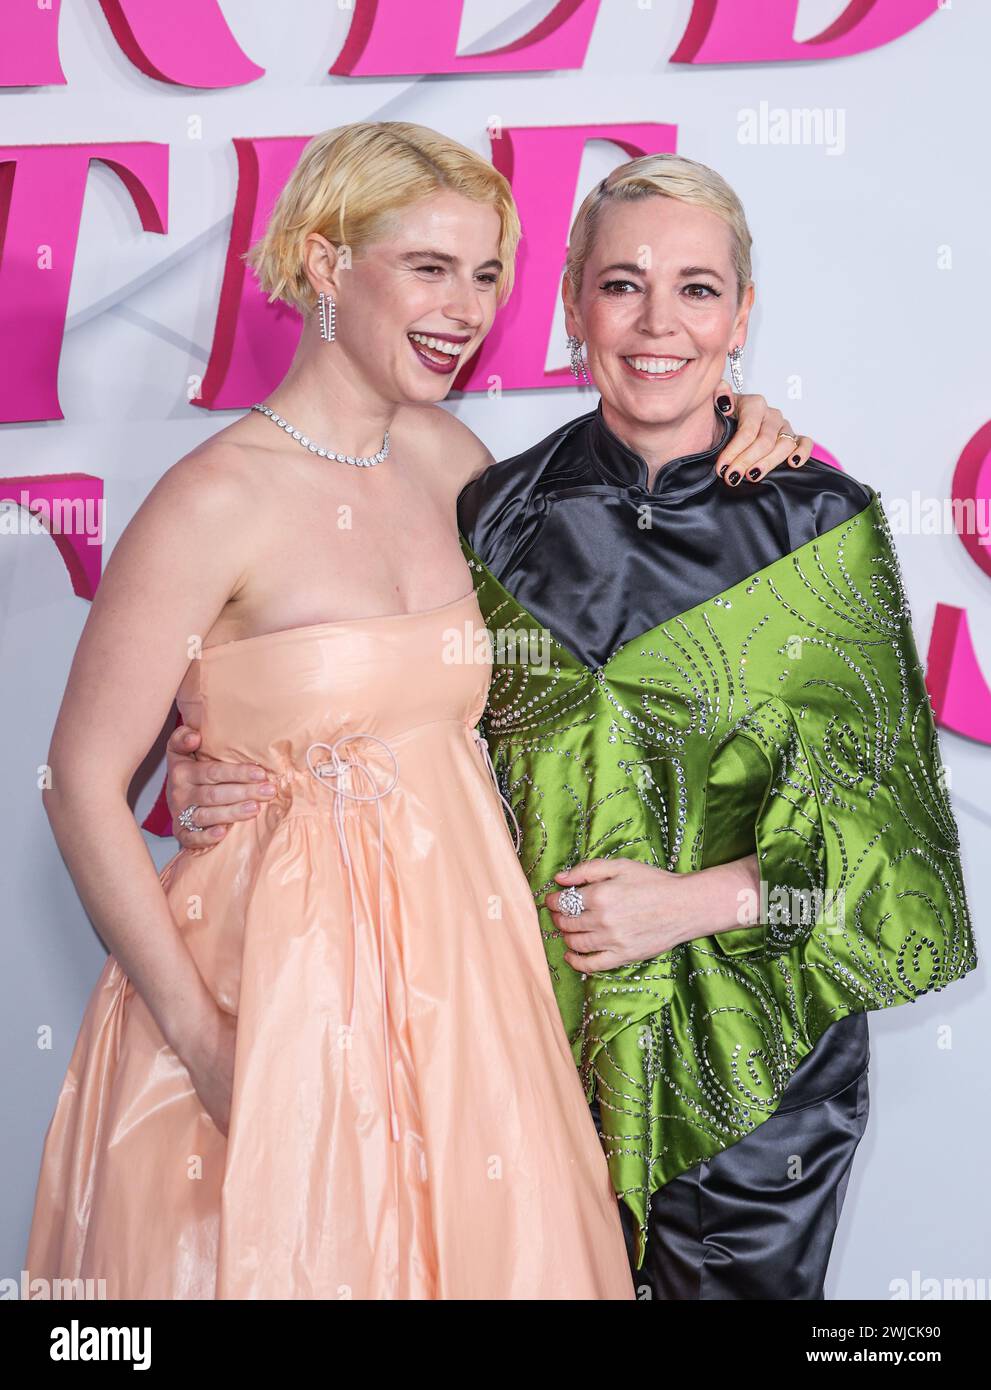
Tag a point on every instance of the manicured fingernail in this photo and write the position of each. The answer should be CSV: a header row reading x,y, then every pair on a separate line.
x,y
257,773
734,477
754,473
216,831
266,789
724,403
249,806
188,738
722,469
795,460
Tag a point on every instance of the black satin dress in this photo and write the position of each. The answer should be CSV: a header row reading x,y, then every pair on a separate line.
x,y
571,529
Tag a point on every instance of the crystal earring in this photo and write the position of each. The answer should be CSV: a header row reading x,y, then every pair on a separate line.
x,y
736,370
328,310
578,368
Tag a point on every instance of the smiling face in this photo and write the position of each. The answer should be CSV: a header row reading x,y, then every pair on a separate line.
x,y
419,300
658,309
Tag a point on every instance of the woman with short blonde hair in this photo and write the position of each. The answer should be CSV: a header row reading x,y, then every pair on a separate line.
x,y
726,769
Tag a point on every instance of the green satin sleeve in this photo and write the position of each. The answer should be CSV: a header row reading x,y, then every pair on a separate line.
x,y
855,836
786,717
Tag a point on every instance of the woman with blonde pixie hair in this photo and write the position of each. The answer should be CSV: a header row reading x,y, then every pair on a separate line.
x,y
323,1060
727,773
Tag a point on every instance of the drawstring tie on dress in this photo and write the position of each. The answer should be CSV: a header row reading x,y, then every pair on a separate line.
x,y
334,768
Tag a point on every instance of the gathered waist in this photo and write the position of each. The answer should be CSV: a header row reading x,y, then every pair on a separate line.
x,y
291,775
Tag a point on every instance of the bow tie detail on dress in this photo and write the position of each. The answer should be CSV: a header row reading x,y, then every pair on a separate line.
x,y
328,774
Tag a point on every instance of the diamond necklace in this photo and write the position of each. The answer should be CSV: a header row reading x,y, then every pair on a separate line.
x,y
361,460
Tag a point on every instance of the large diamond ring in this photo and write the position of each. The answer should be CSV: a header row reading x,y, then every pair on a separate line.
x,y
571,903
186,818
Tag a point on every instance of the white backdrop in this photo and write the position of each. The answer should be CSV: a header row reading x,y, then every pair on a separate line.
x,y
865,333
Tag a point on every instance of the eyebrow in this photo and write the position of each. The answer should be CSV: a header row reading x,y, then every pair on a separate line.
x,y
630,268
700,270
446,258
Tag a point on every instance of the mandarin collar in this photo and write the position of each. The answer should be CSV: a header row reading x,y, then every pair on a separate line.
x,y
617,463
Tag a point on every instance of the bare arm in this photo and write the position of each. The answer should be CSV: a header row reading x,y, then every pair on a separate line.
x,y
165,584
457,448
477,462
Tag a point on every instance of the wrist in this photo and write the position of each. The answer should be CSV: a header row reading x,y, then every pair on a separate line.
x,y
720,899
707,893
190,1026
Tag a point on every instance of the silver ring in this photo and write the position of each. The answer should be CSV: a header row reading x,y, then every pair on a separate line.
x,y
571,903
186,819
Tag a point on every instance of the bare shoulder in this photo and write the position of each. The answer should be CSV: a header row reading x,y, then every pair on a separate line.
x,y
442,435
217,477
201,512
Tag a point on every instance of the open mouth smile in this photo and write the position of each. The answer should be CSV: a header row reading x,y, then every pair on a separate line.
x,y
657,368
439,354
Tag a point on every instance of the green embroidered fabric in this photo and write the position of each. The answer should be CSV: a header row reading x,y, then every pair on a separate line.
x,y
788,717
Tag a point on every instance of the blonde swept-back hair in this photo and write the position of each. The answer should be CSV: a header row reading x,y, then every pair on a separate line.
x,y
666,176
349,184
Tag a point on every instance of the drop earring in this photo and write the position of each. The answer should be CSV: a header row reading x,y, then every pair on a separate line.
x,y
578,368
736,371
328,311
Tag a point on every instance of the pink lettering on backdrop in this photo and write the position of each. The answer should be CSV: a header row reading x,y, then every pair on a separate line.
x,y
69,506
971,492
387,39
186,42
726,31
29,54
960,693
189,43
253,341
41,200
543,164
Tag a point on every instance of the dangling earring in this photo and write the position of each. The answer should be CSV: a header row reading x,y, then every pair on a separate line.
x,y
327,317
736,370
578,368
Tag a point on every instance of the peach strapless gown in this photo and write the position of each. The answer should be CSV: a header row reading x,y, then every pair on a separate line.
x,y
407,1120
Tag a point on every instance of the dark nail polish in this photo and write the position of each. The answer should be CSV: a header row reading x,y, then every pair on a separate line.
x,y
722,469
734,477
724,403
754,473
796,458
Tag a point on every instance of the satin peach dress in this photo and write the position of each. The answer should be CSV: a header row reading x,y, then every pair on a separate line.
x,y
407,1120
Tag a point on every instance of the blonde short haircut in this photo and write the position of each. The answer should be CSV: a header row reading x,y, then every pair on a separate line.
x,y
351,181
666,176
